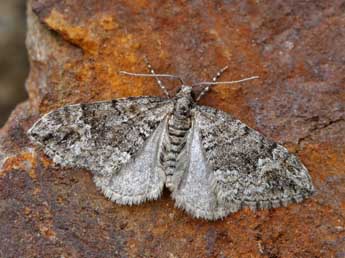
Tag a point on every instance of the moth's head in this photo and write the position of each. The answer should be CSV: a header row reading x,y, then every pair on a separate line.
x,y
184,91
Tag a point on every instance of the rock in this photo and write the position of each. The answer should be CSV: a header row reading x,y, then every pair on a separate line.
x,y
76,50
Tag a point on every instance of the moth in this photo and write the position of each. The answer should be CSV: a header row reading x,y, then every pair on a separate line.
x,y
212,163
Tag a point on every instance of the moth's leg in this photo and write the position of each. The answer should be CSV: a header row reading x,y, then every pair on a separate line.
x,y
160,83
214,79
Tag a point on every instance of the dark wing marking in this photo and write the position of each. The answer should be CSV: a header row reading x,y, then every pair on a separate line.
x,y
108,138
233,166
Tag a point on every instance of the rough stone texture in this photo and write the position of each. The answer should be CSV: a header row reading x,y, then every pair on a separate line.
x,y
76,48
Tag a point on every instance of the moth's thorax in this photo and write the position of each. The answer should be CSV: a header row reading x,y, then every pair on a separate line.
x,y
184,102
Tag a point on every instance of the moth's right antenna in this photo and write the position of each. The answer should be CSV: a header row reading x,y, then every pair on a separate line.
x,y
214,82
214,79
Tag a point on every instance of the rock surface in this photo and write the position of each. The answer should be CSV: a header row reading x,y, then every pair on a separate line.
x,y
76,48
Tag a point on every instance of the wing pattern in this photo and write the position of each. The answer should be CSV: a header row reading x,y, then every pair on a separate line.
x,y
105,137
242,167
224,166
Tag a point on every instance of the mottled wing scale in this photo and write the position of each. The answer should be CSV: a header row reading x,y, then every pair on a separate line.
x,y
109,137
233,166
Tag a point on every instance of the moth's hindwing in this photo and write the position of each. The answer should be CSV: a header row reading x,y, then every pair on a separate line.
x,y
233,166
106,138
194,193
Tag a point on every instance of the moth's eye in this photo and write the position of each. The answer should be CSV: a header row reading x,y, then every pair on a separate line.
x,y
193,95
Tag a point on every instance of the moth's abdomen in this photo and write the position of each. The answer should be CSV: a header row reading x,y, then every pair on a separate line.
x,y
173,145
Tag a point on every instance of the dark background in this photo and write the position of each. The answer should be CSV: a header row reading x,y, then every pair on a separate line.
x,y
13,56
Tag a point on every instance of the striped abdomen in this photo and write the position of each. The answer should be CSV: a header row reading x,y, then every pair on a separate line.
x,y
174,144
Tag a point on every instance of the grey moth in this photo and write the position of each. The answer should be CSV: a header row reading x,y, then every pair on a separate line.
x,y
212,163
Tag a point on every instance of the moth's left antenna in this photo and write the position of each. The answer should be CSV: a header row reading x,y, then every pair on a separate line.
x,y
159,82
153,75
156,75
